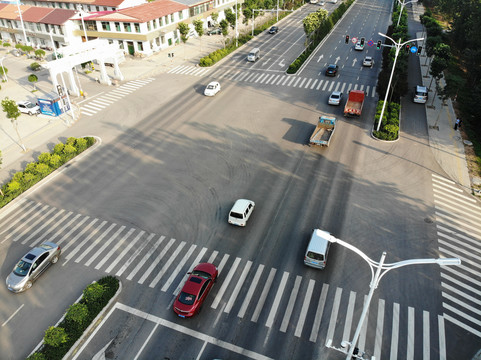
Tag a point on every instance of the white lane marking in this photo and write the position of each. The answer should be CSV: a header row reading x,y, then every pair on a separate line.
x,y
461,284
410,334
225,283
250,292
167,264
460,207
314,83
395,332
29,226
442,338
179,266
285,80
452,190
20,219
445,219
426,338
277,300
334,311
75,238
461,325
125,251
379,327
156,261
134,255
237,288
74,252
304,309
197,260
182,329
104,246
40,228
346,335
363,334
145,342
292,80
290,304
72,230
263,297
461,249
146,257
65,226
319,311
472,309
11,316
325,85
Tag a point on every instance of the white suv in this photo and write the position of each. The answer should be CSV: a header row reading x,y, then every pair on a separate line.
x,y
241,212
27,107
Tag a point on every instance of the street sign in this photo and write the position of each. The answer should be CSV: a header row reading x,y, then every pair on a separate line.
x,y
370,43
414,49
354,40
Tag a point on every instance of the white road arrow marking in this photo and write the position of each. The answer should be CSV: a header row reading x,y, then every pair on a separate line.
x,y
337,59
101,354
354,62
320,58
281,63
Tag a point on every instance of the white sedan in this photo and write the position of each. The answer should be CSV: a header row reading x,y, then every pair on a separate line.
x,y
335,98
212,89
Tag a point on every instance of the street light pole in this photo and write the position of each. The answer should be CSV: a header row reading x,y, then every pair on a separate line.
x,y
381,270
21,22
402,8
398,48
236,24
80,10
4,75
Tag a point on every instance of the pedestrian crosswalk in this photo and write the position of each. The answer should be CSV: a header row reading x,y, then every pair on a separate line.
x,y
93,106
277,299
459,235
277,79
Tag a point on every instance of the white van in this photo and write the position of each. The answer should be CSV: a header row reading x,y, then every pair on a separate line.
x,y
316,253
420,94
241,212
254,55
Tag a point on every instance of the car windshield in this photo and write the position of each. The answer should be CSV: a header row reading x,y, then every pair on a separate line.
x,y
335,96
210,87
201,274
29,105
21,269
187,299
236,215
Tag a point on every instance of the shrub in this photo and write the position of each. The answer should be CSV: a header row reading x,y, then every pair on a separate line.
x,y
55,161
77,313
43,169
37,356
69,150
93,292
55,336
44,158
58,149
35,66
13,187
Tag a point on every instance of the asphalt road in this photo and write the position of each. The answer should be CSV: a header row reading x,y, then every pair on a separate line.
x,y
153,199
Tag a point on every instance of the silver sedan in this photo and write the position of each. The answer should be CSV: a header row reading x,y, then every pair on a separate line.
x,y
32,265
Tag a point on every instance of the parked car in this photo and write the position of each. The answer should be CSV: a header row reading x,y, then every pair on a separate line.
x,y
215,31
359,46
32,265
273,30
368,61
331,70
212,89
16,52
335,98
27,107
195,290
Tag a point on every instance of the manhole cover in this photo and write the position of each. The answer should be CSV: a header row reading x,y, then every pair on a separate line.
x,y
428,220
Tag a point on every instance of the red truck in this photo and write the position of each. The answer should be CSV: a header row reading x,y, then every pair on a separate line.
x,y
354,103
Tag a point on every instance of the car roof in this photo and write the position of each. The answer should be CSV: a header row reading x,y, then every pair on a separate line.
x,y
332,65
39,250
23,102
336,93
240,205
319,241
193,284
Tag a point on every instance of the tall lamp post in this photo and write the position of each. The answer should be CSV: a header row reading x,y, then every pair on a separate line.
x,y
4,75
398,46
81,12
378,270
21,22
402,8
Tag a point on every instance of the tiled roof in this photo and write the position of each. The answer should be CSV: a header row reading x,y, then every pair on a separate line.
x,y
144,12
112,3
57,17
36,14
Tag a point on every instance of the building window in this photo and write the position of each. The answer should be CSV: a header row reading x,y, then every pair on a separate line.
x,y
171,17
39,28
121,45
91,25
161,21
140,46
181,15
156,25
106,25
127,27
137,27
166,20
117,26
149,26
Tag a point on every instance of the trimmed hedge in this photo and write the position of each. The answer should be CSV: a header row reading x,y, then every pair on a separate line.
x,y
389,129
59,339
324,29
46,164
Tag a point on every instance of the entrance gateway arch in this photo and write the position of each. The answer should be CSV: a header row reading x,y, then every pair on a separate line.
x,y
99,50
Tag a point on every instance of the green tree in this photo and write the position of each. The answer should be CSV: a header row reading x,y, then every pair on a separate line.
x,y
33,79
184,33
11,108
93,292
214,16
230,16
55,336
39,53
3,72
199,29
77,313
224,25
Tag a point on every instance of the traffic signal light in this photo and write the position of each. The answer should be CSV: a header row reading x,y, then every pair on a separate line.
x,y
378,44
407,48
420,48
347,39
362,41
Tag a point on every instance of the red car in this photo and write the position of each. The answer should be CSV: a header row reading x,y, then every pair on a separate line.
x,y
195,290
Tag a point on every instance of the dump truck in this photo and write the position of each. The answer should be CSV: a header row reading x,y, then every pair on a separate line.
x,y
323,132
354,103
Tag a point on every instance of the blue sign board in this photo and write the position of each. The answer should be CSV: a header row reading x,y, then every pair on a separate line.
x,y
414,49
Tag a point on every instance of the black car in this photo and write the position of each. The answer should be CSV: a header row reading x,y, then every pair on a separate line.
x,y
273,30
215,31
332,70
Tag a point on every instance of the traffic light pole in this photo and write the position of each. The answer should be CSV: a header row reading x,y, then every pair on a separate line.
x,y
398,46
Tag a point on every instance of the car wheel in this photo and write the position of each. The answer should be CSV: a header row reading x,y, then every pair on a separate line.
x,y
28,285
30,113
54,259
